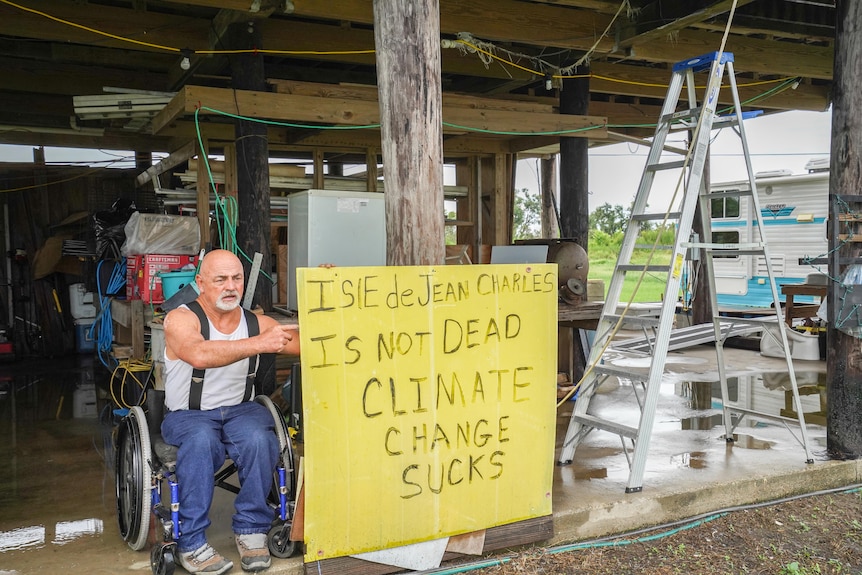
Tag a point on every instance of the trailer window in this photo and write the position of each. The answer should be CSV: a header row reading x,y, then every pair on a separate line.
x,y
725,238
724,208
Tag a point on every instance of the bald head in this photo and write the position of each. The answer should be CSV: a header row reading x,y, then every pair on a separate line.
x,y
220,280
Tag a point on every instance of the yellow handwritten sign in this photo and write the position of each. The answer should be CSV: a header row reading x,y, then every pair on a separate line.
x,y
429,401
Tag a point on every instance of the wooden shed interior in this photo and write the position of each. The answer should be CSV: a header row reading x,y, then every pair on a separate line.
x,y
161,76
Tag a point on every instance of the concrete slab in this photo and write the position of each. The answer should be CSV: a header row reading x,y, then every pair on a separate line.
x,y
57,471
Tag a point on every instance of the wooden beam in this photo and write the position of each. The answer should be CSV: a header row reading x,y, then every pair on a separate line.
x,y
371,171
502,193
338,111
203,193
407,40
161,29
687,15
174,159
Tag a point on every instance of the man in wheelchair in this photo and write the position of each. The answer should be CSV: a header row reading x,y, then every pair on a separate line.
x,y
211,355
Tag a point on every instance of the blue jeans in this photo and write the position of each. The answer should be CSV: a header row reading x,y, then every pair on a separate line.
x,y
245,432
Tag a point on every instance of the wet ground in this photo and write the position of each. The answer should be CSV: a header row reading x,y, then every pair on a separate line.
x,y
57,502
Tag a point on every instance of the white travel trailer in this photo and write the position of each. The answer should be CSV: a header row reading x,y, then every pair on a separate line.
x,y
794,210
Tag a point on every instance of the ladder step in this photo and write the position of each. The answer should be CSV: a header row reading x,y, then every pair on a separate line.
x,y
638,320
605,425
640,268
665,166
620,372
689,114
732,120
656,217
702,62
752,321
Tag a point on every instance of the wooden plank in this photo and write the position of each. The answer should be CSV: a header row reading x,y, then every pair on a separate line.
x,y
341,111
369,93
137,320
496,538
175,158
203,193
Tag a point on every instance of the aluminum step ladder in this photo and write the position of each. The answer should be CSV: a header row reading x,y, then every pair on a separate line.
x,y
699,119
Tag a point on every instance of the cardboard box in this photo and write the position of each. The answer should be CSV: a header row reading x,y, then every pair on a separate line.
x,y
142,279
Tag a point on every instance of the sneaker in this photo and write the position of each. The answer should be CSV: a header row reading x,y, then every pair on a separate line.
x,y
205,559
253,552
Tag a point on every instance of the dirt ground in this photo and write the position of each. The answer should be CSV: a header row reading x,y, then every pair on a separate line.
x,y
818,534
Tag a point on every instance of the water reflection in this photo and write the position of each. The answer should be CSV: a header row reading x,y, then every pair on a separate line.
x,y
34,536
23,538
768,393
748,442
66,531
691,459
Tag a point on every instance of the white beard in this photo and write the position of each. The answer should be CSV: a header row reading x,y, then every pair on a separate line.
x,y
220,304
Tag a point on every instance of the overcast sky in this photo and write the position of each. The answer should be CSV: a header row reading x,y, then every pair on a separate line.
x,y
780,141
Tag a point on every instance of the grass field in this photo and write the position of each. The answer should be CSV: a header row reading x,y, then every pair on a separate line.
x,y
651,289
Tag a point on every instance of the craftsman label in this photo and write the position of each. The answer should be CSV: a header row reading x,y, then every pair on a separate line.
x,y
429,401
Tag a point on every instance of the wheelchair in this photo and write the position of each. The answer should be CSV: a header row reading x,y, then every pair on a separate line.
x,y
145,465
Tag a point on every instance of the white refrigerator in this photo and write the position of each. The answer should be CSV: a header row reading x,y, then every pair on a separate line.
x,y
329,226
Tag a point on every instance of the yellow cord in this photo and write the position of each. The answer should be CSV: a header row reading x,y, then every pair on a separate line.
x,y
130,368
472,46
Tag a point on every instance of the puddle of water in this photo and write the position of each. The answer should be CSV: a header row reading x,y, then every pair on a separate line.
x,y
691,459
645,361
591,473
35,536
702,423
745,441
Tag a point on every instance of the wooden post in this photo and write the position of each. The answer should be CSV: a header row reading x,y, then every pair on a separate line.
x,y
252,159
503,199
407,40
844,359
550,221
701,309
318,177
202,186
371,169
574,164
231,185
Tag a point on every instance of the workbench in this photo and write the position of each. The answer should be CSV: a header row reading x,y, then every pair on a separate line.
x,y
792,311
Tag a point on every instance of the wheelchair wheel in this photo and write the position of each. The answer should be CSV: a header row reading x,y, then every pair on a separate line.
x,y
132,478
279,543
163,558
285,446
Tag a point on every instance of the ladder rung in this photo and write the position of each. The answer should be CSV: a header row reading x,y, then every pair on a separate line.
x,y
656,217
640,268
666,166
725,121
620,372
763,320
605,425
681,115
640,320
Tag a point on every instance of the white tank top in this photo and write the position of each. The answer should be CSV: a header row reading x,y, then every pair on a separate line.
x,y
223,386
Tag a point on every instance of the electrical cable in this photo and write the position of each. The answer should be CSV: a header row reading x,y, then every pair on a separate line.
x,y
623,539
103,326
445,43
